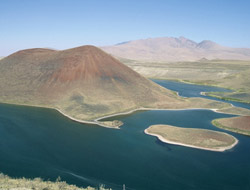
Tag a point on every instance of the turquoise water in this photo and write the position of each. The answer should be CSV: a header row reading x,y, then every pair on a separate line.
x,y
38,142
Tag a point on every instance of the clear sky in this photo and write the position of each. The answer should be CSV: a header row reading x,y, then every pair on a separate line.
x,y
62,24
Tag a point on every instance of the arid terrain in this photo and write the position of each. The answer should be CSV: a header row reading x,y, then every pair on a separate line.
x,y
239,125
7,183
195,138
183,59
82,82
223,73
169,49
125,95
85,83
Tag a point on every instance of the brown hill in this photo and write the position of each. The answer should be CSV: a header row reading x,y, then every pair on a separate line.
x,y
84,83
169,49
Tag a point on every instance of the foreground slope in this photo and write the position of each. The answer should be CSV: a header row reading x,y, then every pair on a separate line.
x,y
82,82
7,183
169,49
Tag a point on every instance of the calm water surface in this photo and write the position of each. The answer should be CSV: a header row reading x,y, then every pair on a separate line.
x,y
37,142
191,90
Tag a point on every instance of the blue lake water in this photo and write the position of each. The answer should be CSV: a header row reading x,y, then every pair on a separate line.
x,y
191,90
38,142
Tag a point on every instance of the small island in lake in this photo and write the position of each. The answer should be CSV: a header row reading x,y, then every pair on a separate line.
x,y
239,125
195,138
111,124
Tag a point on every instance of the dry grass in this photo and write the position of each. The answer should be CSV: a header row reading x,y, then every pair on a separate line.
x,y
223,73
7,183
193,137
84,82
239,125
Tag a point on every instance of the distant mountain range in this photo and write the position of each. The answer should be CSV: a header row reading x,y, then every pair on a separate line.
x,y
169,49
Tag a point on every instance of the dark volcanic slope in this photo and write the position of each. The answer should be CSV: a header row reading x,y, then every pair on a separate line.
x,y
83,82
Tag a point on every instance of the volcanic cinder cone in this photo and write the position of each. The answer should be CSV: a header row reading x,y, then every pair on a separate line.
x,y
82,82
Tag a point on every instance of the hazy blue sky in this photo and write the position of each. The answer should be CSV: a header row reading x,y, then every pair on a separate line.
x,y
63,24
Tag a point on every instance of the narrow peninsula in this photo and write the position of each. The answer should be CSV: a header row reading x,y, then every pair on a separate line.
x,y
239,125
194,138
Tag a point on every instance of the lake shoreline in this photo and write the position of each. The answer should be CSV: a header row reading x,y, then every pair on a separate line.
x,y
96,121
162,139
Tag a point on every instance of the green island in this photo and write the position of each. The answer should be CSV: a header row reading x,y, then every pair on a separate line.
x,y
239,125
8,183
194,138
